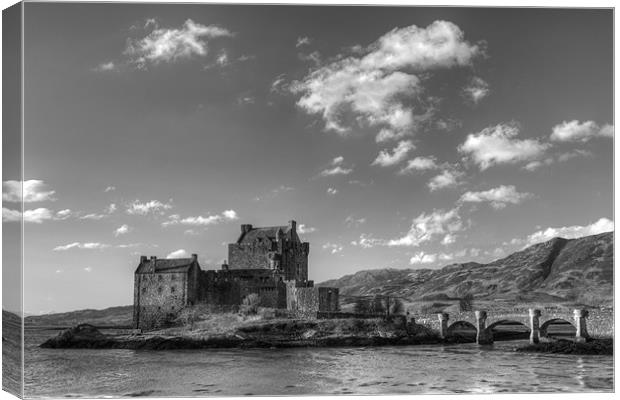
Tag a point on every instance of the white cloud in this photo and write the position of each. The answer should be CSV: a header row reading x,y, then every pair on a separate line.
x,y
448,239
499,197
150,207
105,66
111,208
385,159
336,168
352,221
332,191
476,90
333,247
88,269
499,145
9,215
446,179
181,253
63,214
80,245
575,131
303,41
425,227
109,189
369,89
93,216
34,190
534,165
230,215
175,219
279,85
423,258
571,232
123,229
303,229
38,215
171,45
419,164
366,241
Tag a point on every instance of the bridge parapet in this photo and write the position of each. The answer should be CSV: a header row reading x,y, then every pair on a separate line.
x,y
537,321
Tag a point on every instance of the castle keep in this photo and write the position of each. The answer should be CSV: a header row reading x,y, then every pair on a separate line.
x,y
271,262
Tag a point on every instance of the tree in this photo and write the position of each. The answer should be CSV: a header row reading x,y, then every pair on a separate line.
x,y
377,305
250,303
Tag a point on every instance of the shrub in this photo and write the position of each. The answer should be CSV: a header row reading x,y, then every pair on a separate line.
x,y
398,307
249,304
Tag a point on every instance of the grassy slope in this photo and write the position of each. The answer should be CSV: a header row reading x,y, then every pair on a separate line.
x,y
552,271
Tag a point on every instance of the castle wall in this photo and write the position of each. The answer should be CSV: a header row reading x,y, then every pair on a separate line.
x,y
329,299
158,298
250,255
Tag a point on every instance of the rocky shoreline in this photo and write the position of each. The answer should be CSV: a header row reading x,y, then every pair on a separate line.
x,y
269,335
591,347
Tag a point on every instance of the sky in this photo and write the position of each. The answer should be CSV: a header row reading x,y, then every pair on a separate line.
x,y
396,137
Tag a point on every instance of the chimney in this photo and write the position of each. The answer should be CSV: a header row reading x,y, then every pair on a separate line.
x,y
293,225
153,259
225,265
194,257
245,228
142,259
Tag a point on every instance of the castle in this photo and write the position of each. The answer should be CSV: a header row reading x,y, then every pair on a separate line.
x,y
271,262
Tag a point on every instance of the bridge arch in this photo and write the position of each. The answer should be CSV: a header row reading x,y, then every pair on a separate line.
x,y
544,327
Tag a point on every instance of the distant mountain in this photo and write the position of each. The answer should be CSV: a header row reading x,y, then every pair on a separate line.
x,y
113,316
579,270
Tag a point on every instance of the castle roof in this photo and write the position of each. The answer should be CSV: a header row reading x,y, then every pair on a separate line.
x,y
269,231
166,265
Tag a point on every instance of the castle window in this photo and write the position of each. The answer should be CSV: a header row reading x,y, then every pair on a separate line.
x,y
172,289
160,290
143,290
173,277
160,277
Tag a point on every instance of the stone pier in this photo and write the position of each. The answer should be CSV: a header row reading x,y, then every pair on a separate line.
x,y
580,323
534,326
483,336
443,327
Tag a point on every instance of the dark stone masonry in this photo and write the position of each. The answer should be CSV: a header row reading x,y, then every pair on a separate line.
x,y
271,262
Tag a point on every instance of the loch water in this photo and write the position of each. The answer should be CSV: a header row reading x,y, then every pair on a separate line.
x,y
422,369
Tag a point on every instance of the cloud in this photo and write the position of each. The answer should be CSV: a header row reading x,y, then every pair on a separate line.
x,y
63,214
575,131
80,245
36,216
150,207
93,216
426,227
423,258
534,165
374,88
499,145
110,189
279,85
448,239
499,197
332,191
175,219
123,229
315,57
448,178
476,90
419,164
34,190
571,232
246,99
303,229
303,41
385,159
366,241
352,221
105,66
230,215
336,168
173,44
332,247
181,253
111,208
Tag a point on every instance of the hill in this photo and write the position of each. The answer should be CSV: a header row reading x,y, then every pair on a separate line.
x,y
113,316
575,270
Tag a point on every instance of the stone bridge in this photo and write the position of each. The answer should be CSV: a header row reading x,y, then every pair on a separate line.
x,y
537,322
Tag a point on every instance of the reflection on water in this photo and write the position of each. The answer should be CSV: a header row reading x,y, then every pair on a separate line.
x,y
462,368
